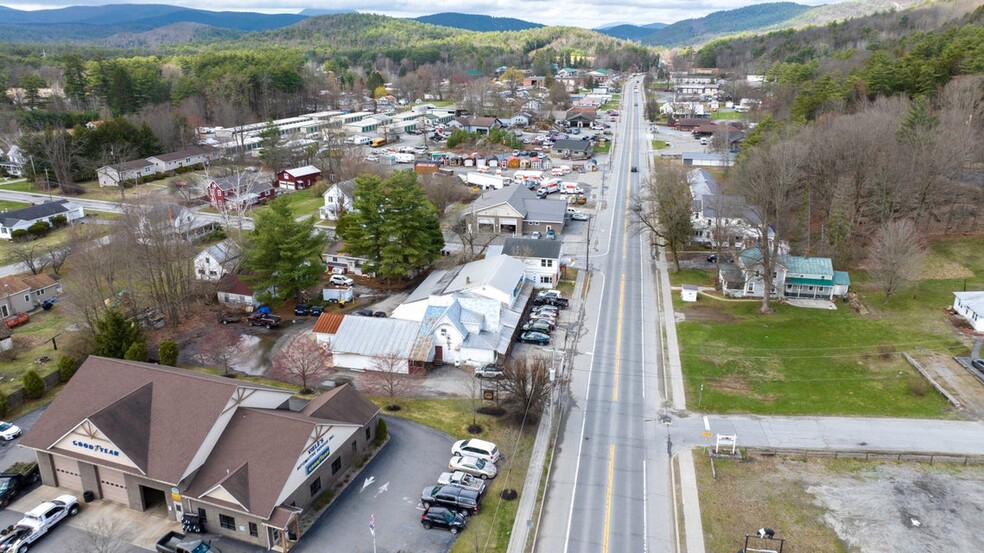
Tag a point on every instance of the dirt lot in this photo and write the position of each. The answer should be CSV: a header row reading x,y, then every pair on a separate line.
x,y
841,505
957,380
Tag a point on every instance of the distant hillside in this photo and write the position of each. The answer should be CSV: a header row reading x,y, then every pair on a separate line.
x,y
768,17
631,32
177,33
314,12
749,18
84,23
480,23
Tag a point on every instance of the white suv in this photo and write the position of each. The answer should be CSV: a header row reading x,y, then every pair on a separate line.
x,y
476,448
340,280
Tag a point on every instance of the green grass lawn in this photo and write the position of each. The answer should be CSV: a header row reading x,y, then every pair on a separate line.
x,y
489,530
692,276
808,361
302,202
32,341
18,186
9,206
660,145
603,147
726,115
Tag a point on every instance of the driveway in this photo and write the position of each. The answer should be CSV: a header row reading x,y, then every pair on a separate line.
x,y
10,453
413,459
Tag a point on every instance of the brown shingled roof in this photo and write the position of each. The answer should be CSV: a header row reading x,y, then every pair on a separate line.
x,y
328,323
182,407
342,404
231,283
37,282
11,284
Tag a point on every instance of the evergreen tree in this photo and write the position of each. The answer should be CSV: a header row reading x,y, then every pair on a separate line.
x,y
115,334
393,224
167,353
282,256
136,352
33,385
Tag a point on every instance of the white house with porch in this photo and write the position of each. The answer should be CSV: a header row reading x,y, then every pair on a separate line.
x,y
793,277
338,200
970,305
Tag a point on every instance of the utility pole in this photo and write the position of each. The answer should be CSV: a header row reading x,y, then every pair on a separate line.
x,y
587,247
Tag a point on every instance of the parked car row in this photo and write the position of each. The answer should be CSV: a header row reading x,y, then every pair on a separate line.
x,y
458,493
542,320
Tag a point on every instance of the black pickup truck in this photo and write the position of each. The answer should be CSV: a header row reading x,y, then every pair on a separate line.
x,y
456,498
19,477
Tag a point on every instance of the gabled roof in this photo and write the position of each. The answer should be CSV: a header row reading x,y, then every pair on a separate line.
x,y
702,184
545,211
514,196
528,247
375,336
12,284
231,283
342,404
248,184
328,323
135,404
224,252
476,121
499,273
808,265
34,212
182,154
575,145
303,171
346,187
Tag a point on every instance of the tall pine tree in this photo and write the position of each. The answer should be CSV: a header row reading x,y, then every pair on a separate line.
x,y
393,225
282,256
115,334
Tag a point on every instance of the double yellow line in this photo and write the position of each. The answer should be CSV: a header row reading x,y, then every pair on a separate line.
x,y
618,357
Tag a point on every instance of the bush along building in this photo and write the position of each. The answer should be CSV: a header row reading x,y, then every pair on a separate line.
x,y
183,443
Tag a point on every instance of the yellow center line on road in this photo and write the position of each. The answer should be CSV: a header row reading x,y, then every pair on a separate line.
x,y
608,497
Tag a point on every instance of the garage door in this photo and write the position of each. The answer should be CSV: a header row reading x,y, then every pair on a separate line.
x,y
112,485
67,473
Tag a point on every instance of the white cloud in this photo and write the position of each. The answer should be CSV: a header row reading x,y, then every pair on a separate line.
x,y
576,13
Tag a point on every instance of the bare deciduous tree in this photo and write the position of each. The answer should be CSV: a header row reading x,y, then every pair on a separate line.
x,y
103,536
303,360
896,254
527,386
31,255
769,179
222,349
664,208
387,376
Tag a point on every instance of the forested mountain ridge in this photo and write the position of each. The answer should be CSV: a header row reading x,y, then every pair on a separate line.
x,y
141,17
476,22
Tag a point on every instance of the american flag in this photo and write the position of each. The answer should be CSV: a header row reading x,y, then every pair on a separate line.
x,y
372,525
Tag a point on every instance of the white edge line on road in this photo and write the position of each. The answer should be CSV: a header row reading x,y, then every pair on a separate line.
x,y
645,510
584,419
642,316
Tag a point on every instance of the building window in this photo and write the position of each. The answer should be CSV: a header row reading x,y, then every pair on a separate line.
x,y
315,486
546,262
354,446
546,279
201,514
367,433
336,466
253,530
227,522
39,293
27,297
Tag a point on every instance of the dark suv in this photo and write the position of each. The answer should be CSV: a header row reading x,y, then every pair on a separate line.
x,y
462,500
263,319
443,518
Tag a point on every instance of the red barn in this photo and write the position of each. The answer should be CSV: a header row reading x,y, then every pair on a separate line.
x,y
238,192
299,178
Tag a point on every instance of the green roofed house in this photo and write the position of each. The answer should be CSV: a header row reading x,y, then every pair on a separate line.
x,y
794,277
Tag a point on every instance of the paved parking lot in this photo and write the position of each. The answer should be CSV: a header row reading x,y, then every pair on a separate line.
x,y
413,459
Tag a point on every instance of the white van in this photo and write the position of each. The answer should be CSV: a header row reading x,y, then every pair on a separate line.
x,y
361,140
476,448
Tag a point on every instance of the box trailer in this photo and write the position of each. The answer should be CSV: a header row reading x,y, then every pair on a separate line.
x,y
487,181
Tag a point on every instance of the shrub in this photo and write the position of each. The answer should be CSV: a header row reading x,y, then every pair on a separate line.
x,y
33,385
136,352
320,188
168,353
67,366
40,228
918,386
58,221
3,405
20,235
381,432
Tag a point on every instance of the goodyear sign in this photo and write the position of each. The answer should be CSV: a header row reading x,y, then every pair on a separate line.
x,y
316,462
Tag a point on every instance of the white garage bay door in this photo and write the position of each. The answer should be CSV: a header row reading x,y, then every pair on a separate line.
x,y
67,473
112,485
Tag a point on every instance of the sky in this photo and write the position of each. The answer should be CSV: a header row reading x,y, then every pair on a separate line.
x,y
578,13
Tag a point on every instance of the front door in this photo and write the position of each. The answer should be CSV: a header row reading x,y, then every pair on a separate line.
x,y
438,355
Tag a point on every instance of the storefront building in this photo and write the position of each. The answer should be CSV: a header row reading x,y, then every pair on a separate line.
x,y
178,442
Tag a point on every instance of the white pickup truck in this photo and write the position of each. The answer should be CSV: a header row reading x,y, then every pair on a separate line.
x,y
458,478
37,522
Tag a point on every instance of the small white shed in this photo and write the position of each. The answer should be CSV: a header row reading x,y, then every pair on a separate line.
x,y
688,293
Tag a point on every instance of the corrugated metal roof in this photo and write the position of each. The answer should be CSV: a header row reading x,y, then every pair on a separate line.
x,y
702,183
303,171
972,300
842,278
372,336
502,273
808,265
328,323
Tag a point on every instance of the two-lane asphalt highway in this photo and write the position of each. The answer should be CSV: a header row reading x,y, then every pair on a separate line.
x,y
608,485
